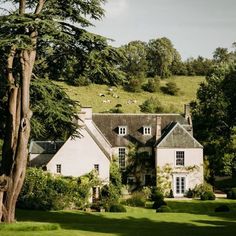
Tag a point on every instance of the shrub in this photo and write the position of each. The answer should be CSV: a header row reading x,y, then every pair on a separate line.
x,y
156,195
117,208
151,105
231,193
222,208
134,85
81,81
153,85
42,191
137,199
163,208
201,188
158,204
208,195
189,193
171,89
171,195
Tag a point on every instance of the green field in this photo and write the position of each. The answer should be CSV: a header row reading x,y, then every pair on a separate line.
x,y
188,218
89,95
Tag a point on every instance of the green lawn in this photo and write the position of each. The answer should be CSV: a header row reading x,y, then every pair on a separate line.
x,y
89,95
189,218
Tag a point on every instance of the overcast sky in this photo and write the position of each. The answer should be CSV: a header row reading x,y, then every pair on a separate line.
x,y
195,27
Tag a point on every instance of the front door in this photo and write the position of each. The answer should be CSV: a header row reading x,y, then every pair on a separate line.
x,y
180,185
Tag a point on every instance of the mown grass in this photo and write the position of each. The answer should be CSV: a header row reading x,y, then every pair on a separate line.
x,y
188,218
89,95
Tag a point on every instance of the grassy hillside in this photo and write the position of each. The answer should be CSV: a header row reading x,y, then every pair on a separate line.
x,y
89,95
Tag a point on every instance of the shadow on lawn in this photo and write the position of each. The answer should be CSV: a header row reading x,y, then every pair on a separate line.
x,y
127,225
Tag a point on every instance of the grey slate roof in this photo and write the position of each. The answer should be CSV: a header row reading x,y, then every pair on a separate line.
x,y
176,136
45,147
109,123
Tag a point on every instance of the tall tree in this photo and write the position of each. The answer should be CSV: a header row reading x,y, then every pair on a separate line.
x,y
135,62
214,119
35,22
160,56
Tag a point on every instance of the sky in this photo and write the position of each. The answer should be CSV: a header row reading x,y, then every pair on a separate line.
x,y
195,27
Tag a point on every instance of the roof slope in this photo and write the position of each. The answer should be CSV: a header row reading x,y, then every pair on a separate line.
x,y
45,147
109,123
176,136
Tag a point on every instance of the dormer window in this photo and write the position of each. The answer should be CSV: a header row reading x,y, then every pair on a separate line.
x,y
147,130
122,130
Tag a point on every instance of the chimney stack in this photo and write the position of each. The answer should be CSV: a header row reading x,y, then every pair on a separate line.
x,y
158,127
187,114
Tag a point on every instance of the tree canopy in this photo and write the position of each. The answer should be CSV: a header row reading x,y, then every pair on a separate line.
x,y
214,119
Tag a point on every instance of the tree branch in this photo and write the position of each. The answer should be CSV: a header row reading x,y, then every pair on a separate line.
x,y
39,7
22,4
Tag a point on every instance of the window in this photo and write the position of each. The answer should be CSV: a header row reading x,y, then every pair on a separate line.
x,y
121,156
122,130
147,130
58,168
179,158
96,167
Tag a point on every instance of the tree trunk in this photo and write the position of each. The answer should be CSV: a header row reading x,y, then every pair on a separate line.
x,y
15,151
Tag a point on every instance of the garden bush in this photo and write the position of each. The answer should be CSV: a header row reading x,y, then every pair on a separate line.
x,y
151,105
156,195
163,208
208,195
189,193
117,208
43,191
171,89
201,189
137,199
231,193
153,85
222,208
158,204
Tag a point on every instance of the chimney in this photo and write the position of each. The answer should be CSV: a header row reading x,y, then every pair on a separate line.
x,y
158,127
187,114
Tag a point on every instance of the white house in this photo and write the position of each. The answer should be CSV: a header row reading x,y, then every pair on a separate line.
x,y
175,158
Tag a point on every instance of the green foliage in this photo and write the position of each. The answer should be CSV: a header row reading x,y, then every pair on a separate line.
x,y
151,105
171,89
54,112
189,193
42,191
214,119
110,194
163,208
153,85
208,195
204,191
134,85
135,62
137,199
160,56
137,164
156,194
231,193
117,208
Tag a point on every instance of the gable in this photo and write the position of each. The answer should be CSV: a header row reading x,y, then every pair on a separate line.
x,y
177,137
